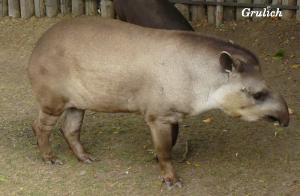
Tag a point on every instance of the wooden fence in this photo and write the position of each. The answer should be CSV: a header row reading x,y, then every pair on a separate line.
x,y
214,11
51,8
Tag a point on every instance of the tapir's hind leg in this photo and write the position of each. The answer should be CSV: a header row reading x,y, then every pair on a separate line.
x,y
175,130
42,128
71,130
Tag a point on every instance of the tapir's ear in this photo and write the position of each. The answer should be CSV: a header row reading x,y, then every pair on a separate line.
x,y
228,63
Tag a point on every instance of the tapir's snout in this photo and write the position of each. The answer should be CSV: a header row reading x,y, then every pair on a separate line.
x,y
284,119
281,115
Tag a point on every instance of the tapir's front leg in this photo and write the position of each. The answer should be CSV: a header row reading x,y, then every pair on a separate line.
x,y
71,131
161,132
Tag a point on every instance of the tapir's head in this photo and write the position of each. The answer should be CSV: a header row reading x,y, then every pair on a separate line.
x,y
245,94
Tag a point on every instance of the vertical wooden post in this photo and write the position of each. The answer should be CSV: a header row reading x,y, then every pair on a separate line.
x,y
228,11
27,8
276,2
298,11
211,13
107,9
239,10
51,8
91,7
197,12
39,8
258,9
14,8
288,14
219,13
65,7
77,7
3,8
184,10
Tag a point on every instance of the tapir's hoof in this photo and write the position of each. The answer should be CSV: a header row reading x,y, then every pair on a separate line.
x,y
86,158
53,160
171,183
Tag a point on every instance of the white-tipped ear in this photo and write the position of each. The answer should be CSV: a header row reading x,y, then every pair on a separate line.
x,y
229,63
226,61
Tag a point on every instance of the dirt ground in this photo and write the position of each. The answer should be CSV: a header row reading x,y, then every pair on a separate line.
x,y
226,157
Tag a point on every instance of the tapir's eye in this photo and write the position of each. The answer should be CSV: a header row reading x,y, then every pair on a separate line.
x,y
260,96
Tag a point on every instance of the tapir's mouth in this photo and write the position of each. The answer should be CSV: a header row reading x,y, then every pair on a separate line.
x,y
282,122
270,118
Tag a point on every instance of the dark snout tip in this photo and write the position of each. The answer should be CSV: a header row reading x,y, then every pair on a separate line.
x,y
284,122
284,119
283,115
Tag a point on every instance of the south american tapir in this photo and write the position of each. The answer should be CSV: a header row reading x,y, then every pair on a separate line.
x,y
107,65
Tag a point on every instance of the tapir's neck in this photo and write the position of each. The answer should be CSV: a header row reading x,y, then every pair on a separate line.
x,y
209,80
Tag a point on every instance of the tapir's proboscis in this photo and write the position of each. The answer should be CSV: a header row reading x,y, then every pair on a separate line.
x,y
110,66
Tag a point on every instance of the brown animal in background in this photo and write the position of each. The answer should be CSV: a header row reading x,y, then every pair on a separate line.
x,y
160,14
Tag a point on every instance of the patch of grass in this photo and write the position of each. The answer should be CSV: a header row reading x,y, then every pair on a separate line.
x,y
2,178
279,54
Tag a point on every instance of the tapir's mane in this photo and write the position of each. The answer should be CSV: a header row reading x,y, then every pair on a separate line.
x,y
218,45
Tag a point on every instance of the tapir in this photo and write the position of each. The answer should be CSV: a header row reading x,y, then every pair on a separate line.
x,y
164,75
160,14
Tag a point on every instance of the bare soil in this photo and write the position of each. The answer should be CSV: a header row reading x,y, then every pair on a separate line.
x,y
227,156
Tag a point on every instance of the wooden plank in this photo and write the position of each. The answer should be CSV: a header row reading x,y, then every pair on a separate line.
x,y
298,11
219,13
258,9
51,8
288,14
65,7
107,9
39,8
239,10
276,2
211,13
77,7
197,12
184,10
3,8
14,8
229,12
27,8
91,7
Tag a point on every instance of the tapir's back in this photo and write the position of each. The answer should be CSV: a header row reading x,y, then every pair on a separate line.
x,y
95,41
